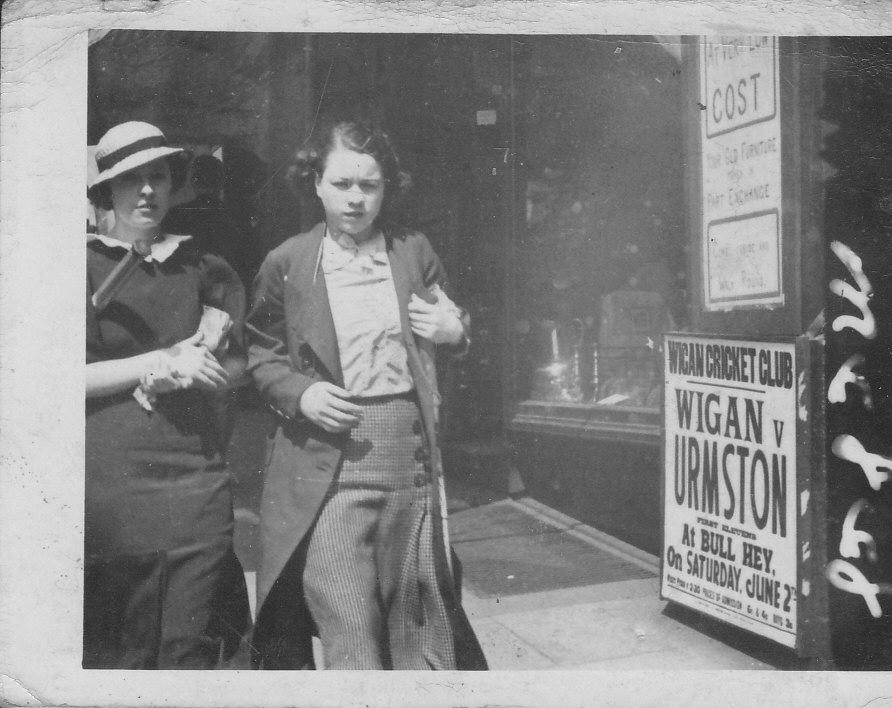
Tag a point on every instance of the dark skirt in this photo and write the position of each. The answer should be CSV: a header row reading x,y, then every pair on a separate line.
x,y
182,608
162,585
369,578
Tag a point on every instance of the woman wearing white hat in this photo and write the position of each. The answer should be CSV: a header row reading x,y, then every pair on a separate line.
x,y
163,588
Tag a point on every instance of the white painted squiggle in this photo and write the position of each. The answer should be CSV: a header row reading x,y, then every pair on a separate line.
x,y
850,449
849,542
846,577
842,574
836,391
859,295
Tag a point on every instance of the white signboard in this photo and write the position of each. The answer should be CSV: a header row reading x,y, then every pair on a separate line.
x,y
741,168
730,506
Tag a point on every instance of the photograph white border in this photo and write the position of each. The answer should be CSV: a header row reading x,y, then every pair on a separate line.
x,y
43,130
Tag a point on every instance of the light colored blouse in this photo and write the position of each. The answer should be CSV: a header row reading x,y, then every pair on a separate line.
x,y
366,316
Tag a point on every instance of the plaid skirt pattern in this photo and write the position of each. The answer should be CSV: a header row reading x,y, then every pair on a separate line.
x,y
369,577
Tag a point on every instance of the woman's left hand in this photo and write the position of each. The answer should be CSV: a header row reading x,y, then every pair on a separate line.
x,y
194,366
435,322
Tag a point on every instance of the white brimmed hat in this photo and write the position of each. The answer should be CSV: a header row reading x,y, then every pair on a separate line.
x,y
128,146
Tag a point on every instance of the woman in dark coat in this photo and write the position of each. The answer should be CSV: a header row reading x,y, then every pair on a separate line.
x,y
342,336
163,588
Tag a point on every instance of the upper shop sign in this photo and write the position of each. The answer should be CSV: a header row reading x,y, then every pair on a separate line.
x,y
730,481
741,170
739,81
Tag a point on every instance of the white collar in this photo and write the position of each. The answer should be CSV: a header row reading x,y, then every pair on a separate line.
x,y
371,245
160,250
336,253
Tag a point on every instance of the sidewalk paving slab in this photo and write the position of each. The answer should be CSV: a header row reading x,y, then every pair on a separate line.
x,y
544,632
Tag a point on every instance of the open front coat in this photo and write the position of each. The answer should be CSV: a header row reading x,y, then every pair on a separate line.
x,y
292,344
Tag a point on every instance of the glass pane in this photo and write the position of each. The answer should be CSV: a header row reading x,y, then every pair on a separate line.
x,y
601,259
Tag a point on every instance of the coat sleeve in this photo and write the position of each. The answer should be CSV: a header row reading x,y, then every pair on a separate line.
x,y
434,275
222,288
269,363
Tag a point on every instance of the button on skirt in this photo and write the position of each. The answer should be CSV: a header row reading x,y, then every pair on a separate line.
x,y
369,578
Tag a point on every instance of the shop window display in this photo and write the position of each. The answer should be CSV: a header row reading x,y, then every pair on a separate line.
x,y
601,258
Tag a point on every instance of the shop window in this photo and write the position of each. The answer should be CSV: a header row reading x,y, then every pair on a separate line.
x,y
601,258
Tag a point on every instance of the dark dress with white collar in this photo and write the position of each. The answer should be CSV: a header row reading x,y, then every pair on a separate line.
x,y
163,588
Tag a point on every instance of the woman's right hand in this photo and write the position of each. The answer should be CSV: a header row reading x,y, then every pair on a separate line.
x,y
187,364
327,406
192,365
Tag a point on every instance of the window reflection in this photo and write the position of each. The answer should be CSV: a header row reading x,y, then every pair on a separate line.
x,y
601,261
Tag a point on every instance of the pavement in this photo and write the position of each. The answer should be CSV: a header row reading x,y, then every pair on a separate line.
x,y
609,623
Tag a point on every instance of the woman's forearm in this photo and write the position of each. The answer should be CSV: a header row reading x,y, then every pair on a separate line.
x,y
105,378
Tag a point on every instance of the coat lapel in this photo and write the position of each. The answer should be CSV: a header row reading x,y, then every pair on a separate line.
x,y
404,284
420,352
314,319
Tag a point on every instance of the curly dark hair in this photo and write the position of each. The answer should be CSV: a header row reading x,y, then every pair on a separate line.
x,y
361,136
100,194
